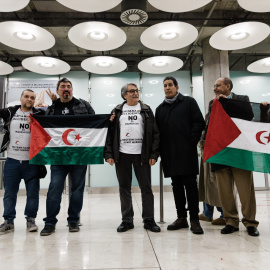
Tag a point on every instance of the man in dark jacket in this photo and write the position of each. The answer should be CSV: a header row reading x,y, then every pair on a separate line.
x,y
228,176
133,139
65,105
180,123
17,143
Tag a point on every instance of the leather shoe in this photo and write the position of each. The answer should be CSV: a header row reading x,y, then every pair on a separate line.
x,y
47,230
151,226
178,224
195,227
229,229
204,218
252,231
125,226
73,227
218,221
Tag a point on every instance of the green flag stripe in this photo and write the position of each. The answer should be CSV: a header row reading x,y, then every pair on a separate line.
x,y
69,156
243,159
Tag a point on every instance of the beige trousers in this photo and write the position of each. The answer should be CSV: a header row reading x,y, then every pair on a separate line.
x,y
244,183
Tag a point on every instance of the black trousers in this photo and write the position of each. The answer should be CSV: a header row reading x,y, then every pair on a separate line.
x,y
143,174
185,191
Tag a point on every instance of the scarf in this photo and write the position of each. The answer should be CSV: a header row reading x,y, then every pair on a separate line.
x,y
171,100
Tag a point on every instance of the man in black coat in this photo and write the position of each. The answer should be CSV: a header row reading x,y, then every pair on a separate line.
x,y
180,123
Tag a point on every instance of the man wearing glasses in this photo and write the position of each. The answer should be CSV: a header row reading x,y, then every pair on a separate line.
x,y
133,139
228,176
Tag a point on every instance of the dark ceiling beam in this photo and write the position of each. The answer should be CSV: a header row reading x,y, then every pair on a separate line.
x,y
61,19
236,61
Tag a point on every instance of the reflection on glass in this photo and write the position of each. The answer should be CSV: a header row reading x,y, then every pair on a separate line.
x,y
245,81
107,82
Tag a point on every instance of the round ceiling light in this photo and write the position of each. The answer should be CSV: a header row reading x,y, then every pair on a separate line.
x,y
25,36
160,64
255,6
45,65
178,5
5,68
97,36
260,66
169,36
90,5
239,36
103,65
12,5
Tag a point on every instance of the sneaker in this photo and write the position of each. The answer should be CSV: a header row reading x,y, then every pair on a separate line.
x,y
151,226
195,227
5,227
47,230
204,218
125,226
73,227
31,225
178,224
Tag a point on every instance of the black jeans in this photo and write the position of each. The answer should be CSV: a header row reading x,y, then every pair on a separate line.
x,y
185,190
143,175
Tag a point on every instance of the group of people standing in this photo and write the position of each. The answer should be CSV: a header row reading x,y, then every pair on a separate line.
x,y
135,138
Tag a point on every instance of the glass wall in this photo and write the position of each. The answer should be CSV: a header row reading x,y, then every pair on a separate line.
x,y
104,94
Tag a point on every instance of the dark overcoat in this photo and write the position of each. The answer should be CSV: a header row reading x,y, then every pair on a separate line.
x,y
180,125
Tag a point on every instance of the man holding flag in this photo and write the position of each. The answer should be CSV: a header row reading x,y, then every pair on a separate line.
x,y
221,128
17,143
66,104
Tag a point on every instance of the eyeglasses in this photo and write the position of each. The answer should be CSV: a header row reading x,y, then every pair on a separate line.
x,y
218,85
133,91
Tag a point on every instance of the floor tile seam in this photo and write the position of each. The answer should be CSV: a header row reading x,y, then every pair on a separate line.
x,y
137,203
254,244
137,268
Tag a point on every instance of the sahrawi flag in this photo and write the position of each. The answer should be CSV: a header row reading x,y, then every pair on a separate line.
x,y
68,140
236,137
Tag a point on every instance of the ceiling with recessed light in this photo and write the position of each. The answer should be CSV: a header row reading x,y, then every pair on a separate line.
x,y
58,20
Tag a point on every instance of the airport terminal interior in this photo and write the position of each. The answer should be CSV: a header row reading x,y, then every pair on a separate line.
x,y
100,45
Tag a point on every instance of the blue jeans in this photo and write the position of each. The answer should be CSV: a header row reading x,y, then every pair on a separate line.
x,y
54,196
14,171
208,210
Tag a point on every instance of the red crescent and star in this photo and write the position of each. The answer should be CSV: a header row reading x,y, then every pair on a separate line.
x,y
65,135
258,137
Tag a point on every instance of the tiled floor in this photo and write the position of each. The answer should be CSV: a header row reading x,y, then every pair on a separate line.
x,y
99,246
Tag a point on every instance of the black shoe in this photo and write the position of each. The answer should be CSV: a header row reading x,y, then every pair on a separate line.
x,y
178,224
151,226
252,231
195,227
48,230
125,226
73,227
229,229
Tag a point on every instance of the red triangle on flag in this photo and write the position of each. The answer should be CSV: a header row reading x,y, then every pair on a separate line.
x,y
39,138
222,131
